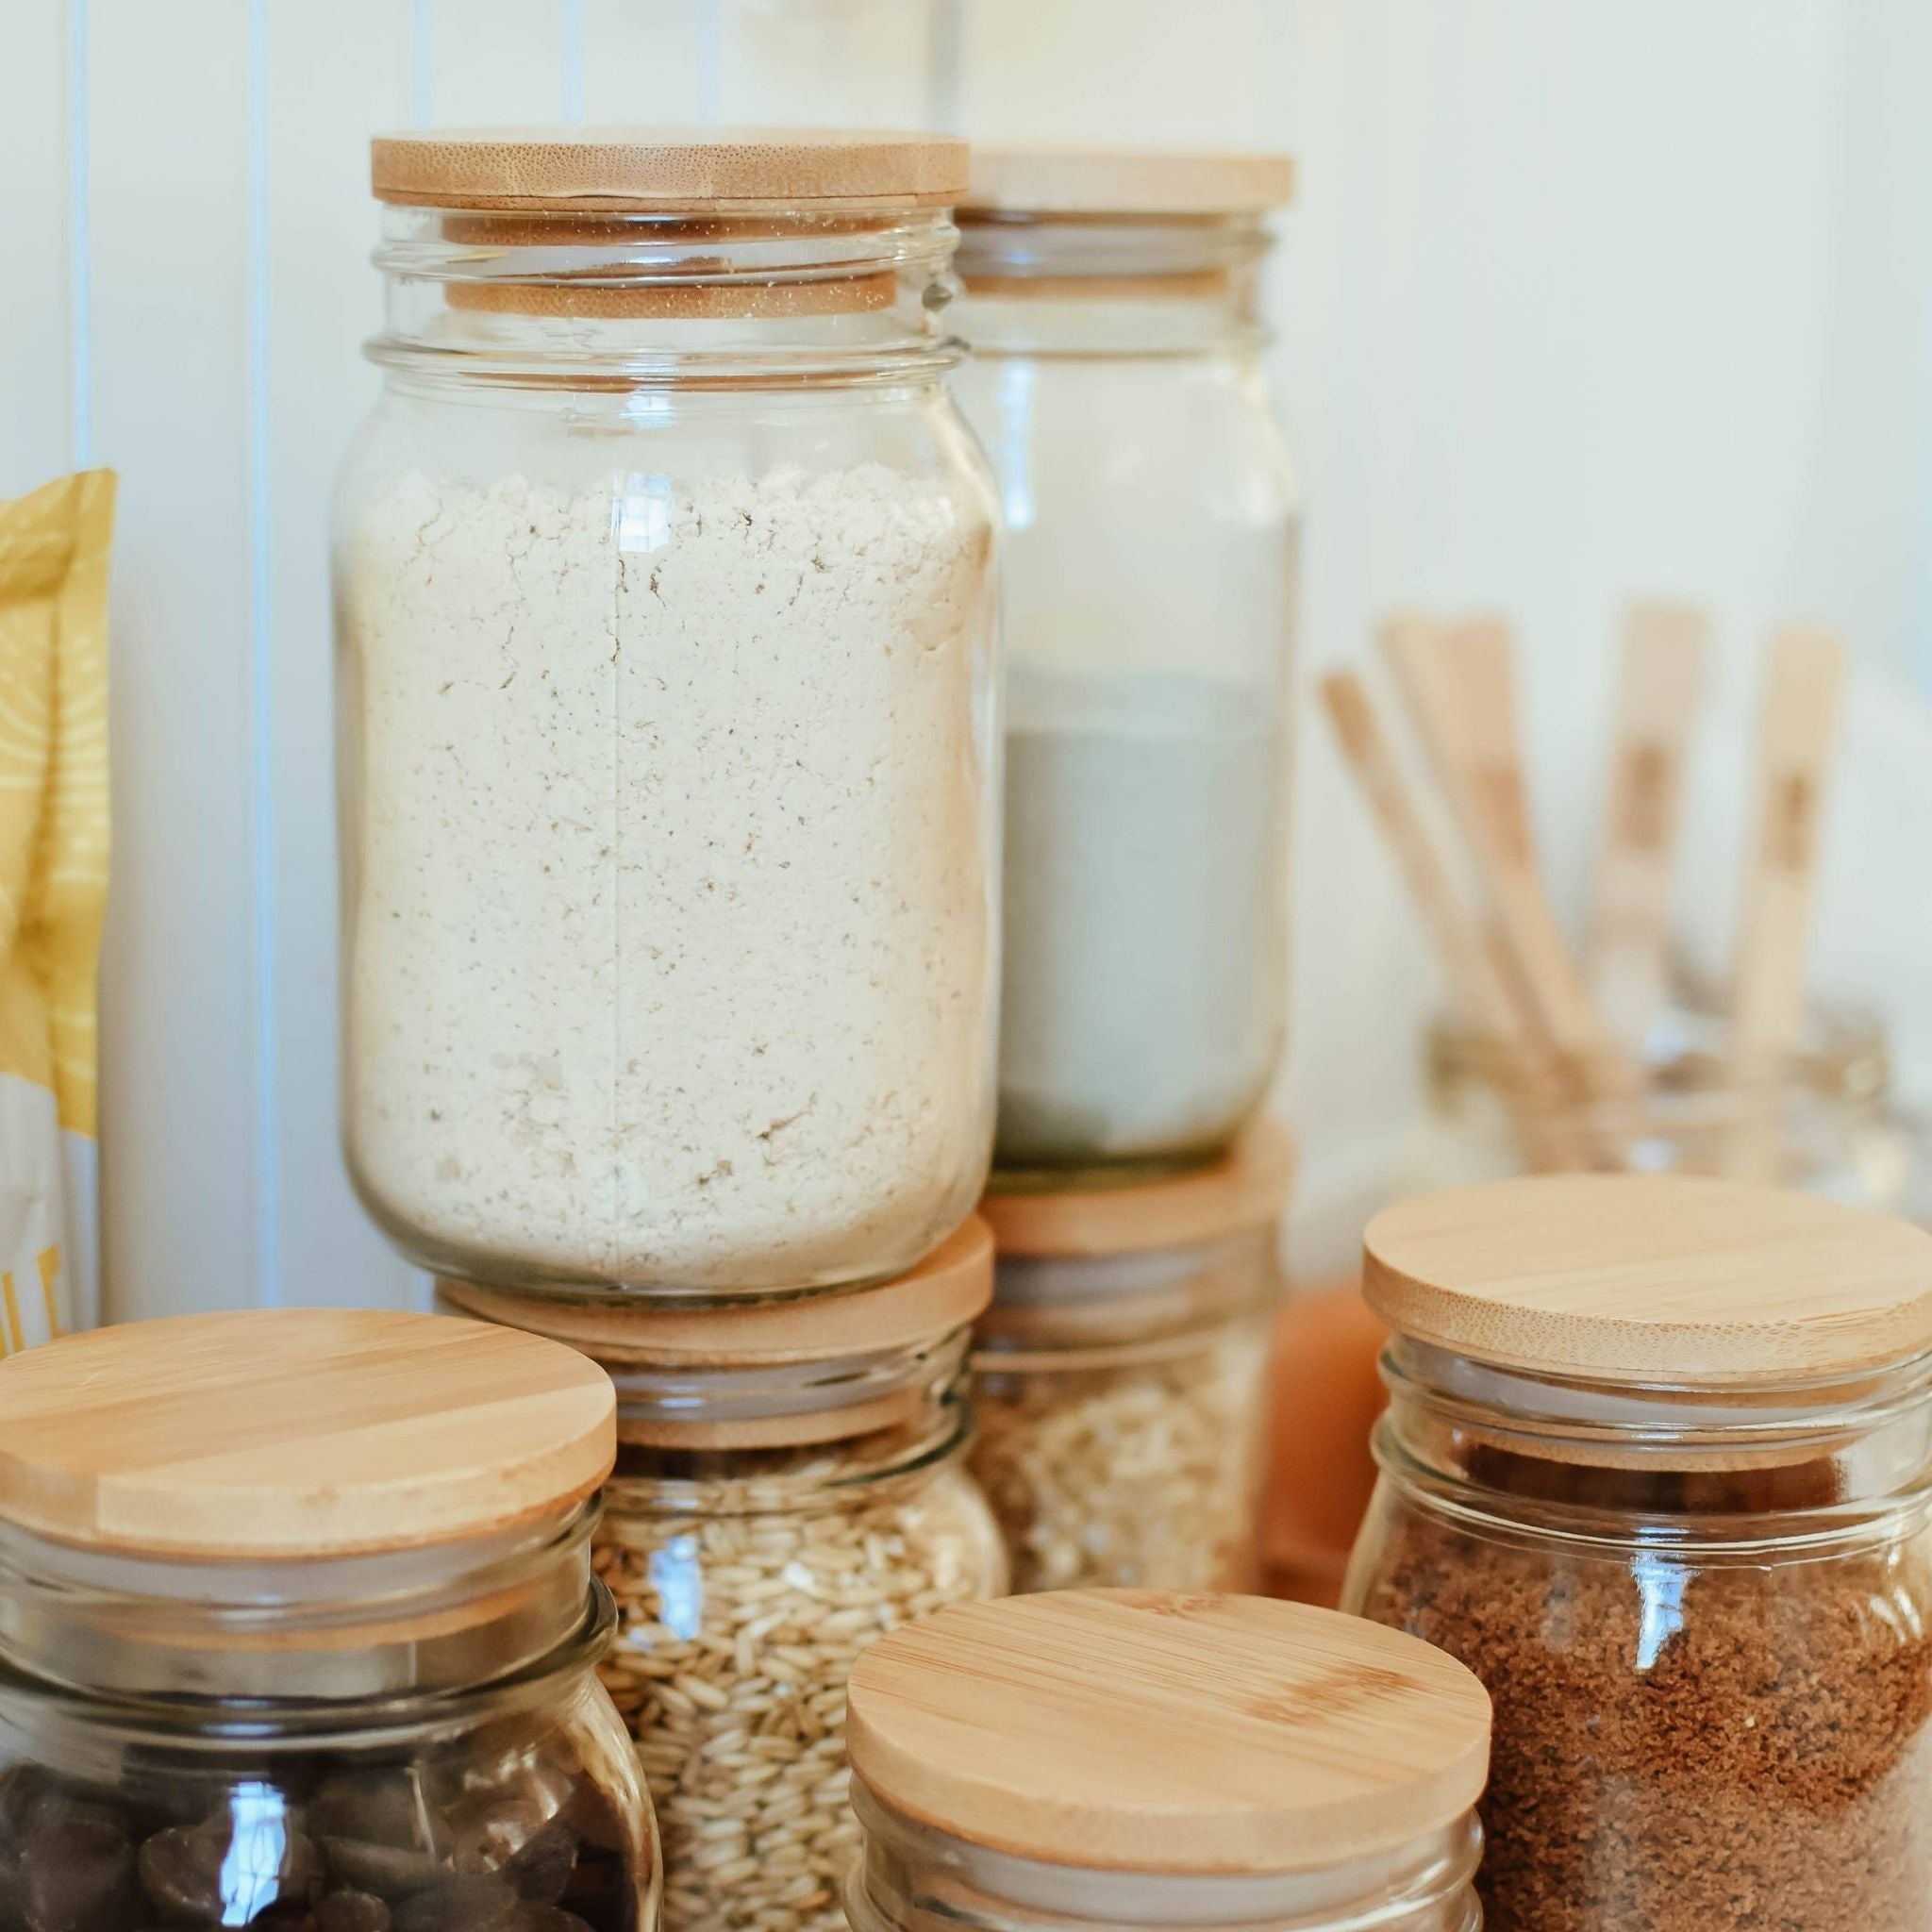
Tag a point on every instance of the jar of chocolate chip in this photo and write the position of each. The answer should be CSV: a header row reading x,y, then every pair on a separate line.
x,y
1121,1376
1658,1468
1135,1761
790,1485
298,1631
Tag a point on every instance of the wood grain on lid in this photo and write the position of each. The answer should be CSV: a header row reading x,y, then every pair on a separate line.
x,y
644,170
949,1288
1132,1731
1126,181
296,1432
1247,1187
1652,1278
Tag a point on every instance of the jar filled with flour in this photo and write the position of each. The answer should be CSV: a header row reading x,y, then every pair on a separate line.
x,y
1149,584
669,716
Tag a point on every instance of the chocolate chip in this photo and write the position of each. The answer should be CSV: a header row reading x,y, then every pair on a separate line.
x,y
76,1872
467,1902
351,1911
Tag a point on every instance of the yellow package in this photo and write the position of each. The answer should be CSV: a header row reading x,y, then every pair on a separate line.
x,y
53,890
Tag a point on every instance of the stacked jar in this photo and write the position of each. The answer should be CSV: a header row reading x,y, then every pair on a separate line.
x,y
1658,1468
670,755
1149,572
790,1487
1132,1761
1122,1375
297,1631
1111,309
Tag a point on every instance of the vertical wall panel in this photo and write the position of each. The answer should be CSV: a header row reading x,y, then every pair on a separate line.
x,y
34,321
496,62
168,114
640,61
332,75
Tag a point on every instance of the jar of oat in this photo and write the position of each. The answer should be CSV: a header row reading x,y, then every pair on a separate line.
x,y
1121,1376
1129,1761
789,1486
669,716
1112,306
298,1631
1657,1467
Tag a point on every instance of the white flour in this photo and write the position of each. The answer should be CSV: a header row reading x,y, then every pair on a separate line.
x,y
671,941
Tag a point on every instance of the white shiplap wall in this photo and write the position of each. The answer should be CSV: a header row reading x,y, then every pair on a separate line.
x,y
1578,299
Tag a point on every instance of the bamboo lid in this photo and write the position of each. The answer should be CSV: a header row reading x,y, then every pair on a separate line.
x,y
670,170
1660,1279
1125,181
1248,1187
947,1290
1128,1730
296,1432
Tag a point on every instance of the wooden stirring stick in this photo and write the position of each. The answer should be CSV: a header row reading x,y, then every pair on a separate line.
x,y
1475,982
1797,735
1460,690
1664,650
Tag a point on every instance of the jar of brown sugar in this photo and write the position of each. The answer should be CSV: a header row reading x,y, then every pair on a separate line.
x,y
1655,1468
1128,1761
1122,1375
790,1487
298,1631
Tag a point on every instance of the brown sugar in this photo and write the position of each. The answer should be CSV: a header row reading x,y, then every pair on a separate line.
x,y
1684,1742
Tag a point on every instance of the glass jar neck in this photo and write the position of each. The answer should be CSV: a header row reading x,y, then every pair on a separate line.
x,y
1795,1463
912,1877
1112,286
410,1623
712,1440
641,301
1104,1310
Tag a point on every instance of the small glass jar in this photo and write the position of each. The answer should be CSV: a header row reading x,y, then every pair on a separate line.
x,y
1131,1762
1121,1376
1657,1467
1833,1127
1148,592
297,1630
790,1485
668,717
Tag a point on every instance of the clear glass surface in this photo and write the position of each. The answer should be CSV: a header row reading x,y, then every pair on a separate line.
x,y
669,730
1149,587
1704,1618
1123,1415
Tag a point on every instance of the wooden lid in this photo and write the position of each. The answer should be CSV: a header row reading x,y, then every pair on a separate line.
x,y
296,1432
1127,1730
647,169
1652,1278
1126,181
948,1290
1248,1187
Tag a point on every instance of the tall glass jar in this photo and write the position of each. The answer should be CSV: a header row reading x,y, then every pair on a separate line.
x,y
1148,591
1131,1762
669,717
1122,1375
1657,1467
790,1485
297,1630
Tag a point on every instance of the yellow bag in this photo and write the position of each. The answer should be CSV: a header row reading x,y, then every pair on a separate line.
x,y
54,549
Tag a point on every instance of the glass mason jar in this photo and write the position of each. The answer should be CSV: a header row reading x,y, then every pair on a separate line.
x,y
668,717
1129,1761
1149,582
1121,1376
1657,1470
789,1486
216,1712
1834,1128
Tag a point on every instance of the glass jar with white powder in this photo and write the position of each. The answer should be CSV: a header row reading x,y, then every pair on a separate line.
x,y
669,717
1149,584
